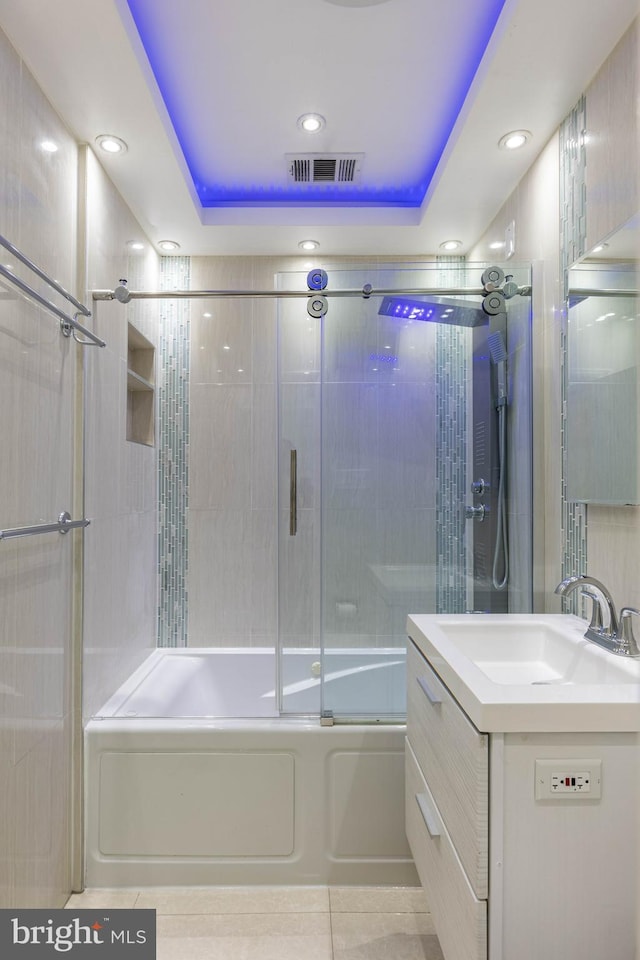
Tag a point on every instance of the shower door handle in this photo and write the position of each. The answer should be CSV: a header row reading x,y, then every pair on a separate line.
x,y
293,493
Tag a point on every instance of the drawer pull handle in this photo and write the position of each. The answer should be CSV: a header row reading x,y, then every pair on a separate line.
x,y
428,692
427,815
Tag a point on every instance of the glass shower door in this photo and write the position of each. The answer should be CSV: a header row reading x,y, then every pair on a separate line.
x,y
377,439
378,497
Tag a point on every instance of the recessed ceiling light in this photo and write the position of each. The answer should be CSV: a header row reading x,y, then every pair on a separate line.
x,y
49,146
497,245
111,144
600,247
311,122
168,245
308,244
514,140
451,245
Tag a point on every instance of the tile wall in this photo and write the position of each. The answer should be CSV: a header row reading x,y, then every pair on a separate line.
x,y
63,404
120,562
37,387
232,577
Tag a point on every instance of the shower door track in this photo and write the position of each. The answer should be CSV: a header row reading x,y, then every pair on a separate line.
x,y
123,294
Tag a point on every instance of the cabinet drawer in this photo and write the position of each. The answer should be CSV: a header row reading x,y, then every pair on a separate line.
x,y
459,916
454,758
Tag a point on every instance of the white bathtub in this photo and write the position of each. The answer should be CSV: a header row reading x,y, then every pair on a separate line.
x,y
180,791
240,682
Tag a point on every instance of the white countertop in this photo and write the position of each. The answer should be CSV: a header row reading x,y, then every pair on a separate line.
x,y
505,699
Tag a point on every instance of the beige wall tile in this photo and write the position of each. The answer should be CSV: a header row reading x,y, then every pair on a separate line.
x,y
37,383
120,611
613,188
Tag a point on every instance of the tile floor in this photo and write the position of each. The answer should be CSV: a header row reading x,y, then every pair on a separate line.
x,y
282,923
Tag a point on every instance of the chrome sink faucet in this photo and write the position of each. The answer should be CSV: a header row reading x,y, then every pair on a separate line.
x,y
604,629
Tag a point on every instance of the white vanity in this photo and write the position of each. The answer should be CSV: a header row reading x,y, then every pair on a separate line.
x,y
522,787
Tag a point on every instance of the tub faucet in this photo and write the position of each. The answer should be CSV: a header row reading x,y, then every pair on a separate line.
x,y
604,628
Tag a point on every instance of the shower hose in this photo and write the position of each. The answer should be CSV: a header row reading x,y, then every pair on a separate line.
x,y
501,528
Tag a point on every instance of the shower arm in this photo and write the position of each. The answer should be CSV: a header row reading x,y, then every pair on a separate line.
x,y
124,295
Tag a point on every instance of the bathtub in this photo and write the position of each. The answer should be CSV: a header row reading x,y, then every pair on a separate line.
x,y
192,777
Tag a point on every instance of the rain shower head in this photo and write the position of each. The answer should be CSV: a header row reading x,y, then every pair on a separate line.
x,y
448,310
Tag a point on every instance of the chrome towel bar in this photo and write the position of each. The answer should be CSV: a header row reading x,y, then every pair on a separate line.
x,y
63,525
67,323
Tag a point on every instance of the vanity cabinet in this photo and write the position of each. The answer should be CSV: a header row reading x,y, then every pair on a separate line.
x,y
511,871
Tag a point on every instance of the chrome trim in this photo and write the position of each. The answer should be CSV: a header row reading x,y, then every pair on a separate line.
x,y
293,493
432,697
365,293
43,276
428,816
63,525
65,319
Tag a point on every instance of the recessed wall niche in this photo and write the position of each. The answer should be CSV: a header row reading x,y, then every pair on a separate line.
x,y
140,388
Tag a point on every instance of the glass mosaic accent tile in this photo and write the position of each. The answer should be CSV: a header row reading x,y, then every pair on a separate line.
x,y
573,232
173,454
452,359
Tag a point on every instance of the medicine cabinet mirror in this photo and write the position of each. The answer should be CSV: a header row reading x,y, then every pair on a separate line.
x,y
601,376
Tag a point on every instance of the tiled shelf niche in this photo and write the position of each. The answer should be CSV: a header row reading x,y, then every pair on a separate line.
x,y
140,388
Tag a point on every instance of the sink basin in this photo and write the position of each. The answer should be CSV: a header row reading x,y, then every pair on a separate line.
x,y
528,672
537,653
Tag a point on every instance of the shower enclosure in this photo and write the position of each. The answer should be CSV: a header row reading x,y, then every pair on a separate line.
x,y
403,476
404,471
389,413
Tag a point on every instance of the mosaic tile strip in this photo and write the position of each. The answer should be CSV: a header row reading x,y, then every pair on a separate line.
x,y
173,454
573,186
452,358
573,232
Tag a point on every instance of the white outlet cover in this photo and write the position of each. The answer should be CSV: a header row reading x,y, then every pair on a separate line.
x,y
548,770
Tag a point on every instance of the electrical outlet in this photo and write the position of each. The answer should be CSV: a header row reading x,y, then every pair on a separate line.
x,y
568,779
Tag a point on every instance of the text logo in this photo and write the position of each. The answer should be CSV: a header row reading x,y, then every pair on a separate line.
x,y
80,934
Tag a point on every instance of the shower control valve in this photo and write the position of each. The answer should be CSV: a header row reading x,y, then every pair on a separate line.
x,y
476,513
479,487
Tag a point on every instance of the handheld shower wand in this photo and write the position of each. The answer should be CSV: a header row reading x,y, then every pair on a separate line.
x,y
498,352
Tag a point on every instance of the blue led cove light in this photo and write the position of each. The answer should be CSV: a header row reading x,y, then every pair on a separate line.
x,y
167,68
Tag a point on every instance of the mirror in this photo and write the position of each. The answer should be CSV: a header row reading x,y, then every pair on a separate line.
x,y
603,343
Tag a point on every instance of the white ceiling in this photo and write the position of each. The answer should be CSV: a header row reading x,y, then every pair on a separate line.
x,y
383,74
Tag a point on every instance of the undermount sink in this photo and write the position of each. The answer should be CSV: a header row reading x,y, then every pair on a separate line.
x,y
530,672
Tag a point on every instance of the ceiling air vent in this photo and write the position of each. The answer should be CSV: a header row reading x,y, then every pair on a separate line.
x,y
324,167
